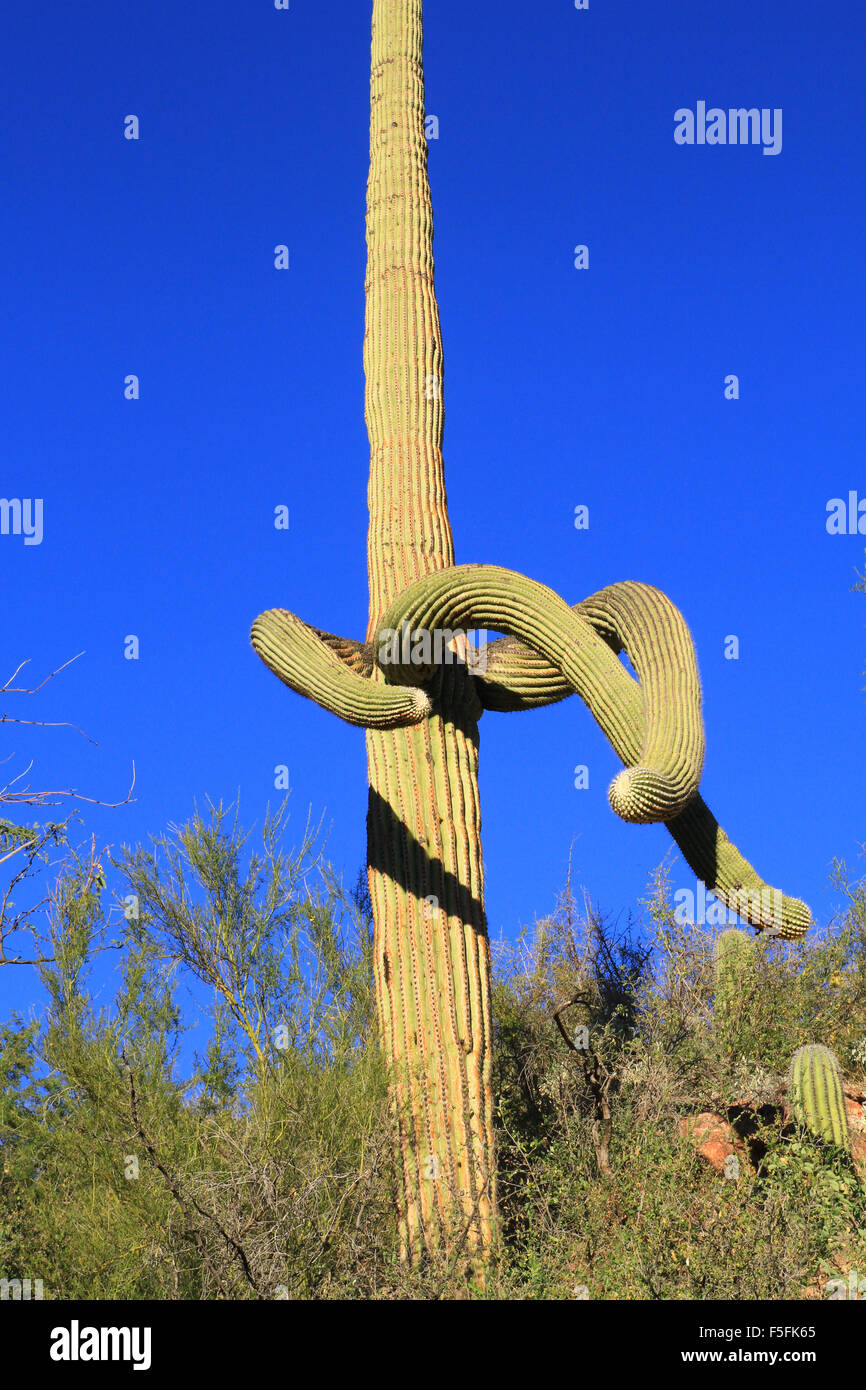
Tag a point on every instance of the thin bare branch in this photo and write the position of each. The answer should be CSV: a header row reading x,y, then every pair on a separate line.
x,y
8,689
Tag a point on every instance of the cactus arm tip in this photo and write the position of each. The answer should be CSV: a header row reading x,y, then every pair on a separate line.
x,y
328,670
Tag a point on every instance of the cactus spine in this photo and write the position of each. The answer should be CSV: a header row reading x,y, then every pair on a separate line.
x,y
432,961
815,1094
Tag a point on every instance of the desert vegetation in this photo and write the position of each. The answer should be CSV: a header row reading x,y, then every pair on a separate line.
x,y
263,1164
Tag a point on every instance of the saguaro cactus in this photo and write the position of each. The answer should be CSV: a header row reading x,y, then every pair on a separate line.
x,y
421,712
733,955
816,1096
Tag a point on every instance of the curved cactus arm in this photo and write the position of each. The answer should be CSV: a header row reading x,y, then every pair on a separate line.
x,y
358,656
659,734
717,862
625,616
642,621
516,678
313,664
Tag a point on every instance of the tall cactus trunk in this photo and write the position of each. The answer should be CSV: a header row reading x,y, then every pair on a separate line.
x,y
432,959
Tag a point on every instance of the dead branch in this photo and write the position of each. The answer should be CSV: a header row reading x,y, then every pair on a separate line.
x,y
599,1081
28,797
185,1203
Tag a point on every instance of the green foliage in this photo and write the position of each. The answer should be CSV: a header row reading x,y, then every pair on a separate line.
x,y
264,1168
245,1180
25,852
665,1225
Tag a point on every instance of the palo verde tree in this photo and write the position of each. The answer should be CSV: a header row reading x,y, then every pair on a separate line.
x,y
418,687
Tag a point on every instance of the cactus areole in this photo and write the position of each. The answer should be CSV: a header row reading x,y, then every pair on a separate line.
x,y
421,711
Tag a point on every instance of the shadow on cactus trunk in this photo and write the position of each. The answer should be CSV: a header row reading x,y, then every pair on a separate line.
x,y
431,956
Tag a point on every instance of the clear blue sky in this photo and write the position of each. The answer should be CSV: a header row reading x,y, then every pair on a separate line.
x,y
603,387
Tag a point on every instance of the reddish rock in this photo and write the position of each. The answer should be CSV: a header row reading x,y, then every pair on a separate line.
x,y
711,1135
716,1139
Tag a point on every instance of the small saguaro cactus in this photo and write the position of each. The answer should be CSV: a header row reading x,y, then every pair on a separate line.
x,y
418,689
733,954
732,947
816,1096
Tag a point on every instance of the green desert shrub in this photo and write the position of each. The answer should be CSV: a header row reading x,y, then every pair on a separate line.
x,y
263,1168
